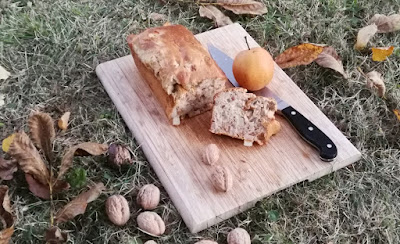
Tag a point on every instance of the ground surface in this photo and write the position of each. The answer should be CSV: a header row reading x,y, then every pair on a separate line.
x,y
53,47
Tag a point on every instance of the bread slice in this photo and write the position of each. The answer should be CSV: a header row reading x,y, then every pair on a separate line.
x,y
245,116
178,69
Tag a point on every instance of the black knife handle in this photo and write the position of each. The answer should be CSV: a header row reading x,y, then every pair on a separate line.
x,y
311,133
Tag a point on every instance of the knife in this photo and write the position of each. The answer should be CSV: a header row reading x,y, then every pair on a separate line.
x,y
307,130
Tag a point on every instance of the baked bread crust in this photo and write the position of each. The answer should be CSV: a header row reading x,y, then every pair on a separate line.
x,y
179,70
244,116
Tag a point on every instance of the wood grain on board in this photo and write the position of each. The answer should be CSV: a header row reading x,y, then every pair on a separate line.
x,y
175,152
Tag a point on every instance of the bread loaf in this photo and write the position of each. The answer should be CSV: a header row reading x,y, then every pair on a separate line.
x,y
178,69
245,116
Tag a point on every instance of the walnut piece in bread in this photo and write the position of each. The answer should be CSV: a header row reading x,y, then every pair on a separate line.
x,y
179,70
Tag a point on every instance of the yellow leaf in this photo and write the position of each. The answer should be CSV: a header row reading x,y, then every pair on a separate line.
x,y
364,35
63,121
302,54
215,14
381,53
397,113
7,142
4,74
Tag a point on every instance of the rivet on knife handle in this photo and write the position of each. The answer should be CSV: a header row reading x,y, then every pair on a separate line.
x,y
311,133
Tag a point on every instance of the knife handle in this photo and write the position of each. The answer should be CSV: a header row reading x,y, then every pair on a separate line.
x,y
311,133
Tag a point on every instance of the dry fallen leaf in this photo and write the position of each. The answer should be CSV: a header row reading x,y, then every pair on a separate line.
x,y
364,35
28,157
4,74
374,80
157,16
38,189
78,205
330,59
243,6
381,53
397,113
215,14
42,132
302,54
2,97
63,121
55,236
5,145
7,218
385,23
83,149
7,168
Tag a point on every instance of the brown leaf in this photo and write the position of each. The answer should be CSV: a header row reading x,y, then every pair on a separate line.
x,y
330,59
7,168
302,54
243,6
215,14
42,132
37,189
78,205
28,157
6,215
157,16
63,121
364,35
83,149
374,80
55,236
43,191
385,23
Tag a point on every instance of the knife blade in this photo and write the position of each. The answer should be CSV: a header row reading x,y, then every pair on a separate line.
x,y
306,129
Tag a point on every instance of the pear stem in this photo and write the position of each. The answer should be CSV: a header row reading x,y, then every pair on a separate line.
x,y
247,42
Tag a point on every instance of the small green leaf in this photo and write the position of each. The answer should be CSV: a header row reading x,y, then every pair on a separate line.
x,y
273,215
77,178
1,124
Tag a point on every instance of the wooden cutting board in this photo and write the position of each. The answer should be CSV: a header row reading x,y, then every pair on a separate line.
x,y
175,152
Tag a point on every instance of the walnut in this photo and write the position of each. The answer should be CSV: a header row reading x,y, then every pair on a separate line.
x,y
119,155
151,223
206,242
210,154
150,242
222,178
238,236
117,210
148,197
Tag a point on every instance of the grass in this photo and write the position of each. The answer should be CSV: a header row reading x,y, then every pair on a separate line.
x,y
53,47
